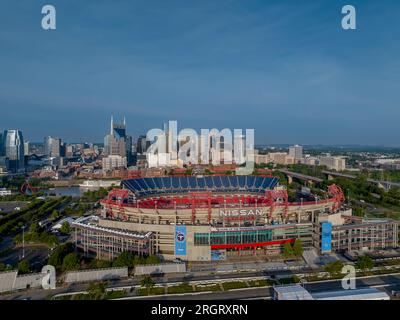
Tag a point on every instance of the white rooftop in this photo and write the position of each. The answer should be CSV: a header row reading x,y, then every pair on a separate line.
x,y
356,294
59,223
292,292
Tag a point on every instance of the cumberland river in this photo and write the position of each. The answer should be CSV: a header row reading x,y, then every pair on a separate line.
x,y
66,191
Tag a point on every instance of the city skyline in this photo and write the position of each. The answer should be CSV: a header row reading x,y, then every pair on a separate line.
x,y
289,72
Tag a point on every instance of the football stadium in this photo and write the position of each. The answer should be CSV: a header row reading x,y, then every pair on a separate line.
x,y
205,218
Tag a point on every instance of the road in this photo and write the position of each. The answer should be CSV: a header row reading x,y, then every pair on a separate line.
x,y
386,282
38,294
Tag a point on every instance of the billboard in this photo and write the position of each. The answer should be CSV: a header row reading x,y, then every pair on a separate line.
x,y
326,237
180,240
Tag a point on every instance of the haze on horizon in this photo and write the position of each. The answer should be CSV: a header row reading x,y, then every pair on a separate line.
x,y
286,69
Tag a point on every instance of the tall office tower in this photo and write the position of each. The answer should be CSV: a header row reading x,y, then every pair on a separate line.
x,y
239,149
296,152
118,143
69,151
142,144
171,139
52,146
26,148
2,151
3,159
13,149
63,148
128,150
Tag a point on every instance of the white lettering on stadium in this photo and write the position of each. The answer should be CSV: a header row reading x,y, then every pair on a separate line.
x,y
240,212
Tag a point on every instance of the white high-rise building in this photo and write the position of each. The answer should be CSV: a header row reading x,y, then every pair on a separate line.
x,y
333,163
296,152
26,148
114,162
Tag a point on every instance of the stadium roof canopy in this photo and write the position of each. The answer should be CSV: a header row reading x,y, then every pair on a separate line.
x,y
159,185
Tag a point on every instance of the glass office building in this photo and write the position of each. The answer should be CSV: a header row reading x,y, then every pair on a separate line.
x,y
13,150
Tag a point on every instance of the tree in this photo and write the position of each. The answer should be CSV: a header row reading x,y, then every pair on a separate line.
x,y
137,260
297,248
24,267
148,283
34,228
54,215
65,227
70,262
100,264
287,250
152,259
364,263
125,259
57,256
97,290
334,268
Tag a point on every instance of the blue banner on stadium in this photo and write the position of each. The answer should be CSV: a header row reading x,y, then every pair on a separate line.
x,y
326,239
180,240
218,255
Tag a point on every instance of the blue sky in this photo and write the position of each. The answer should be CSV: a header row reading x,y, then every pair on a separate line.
x,y
284,68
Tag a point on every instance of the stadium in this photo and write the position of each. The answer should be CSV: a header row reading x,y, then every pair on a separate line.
x,y
204,218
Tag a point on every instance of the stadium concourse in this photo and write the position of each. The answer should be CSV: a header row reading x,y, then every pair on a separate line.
x,y
204,218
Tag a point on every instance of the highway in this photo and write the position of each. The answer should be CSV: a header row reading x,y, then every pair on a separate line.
x,y
387,282
385,184
300,176
39,294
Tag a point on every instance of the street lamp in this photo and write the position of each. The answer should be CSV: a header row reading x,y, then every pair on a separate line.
x,y
348,196
23,242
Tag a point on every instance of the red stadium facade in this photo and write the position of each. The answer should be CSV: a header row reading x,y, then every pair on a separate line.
x,y
203,218
206,218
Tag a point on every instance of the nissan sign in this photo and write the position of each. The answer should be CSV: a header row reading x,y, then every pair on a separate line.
x,y
240,212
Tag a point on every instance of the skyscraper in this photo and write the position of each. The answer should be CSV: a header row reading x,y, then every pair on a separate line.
x,y
26,148
2,151
142,144
3,159
13,150
52,146
296,152
118,143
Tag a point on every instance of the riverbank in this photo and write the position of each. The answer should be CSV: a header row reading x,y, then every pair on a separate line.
x,y
65,183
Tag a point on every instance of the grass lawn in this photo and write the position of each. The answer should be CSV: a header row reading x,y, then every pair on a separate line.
x,y
153,291
209,287
259,283
182,288
115,294
234,285
79,296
